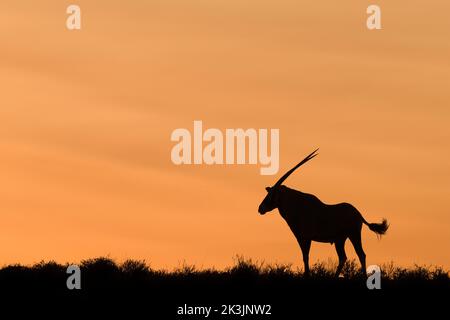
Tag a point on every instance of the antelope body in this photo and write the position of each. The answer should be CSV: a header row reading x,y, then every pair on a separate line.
x,y
312,220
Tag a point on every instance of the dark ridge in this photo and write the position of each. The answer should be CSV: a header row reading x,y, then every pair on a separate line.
x,y
134,285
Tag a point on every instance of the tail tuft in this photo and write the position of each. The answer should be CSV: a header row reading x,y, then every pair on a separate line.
x,y
379,228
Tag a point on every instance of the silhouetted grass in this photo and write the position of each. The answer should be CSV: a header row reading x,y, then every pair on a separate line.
x,y
247,281
104,272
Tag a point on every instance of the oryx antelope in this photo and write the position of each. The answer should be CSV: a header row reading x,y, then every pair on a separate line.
x,y
312,220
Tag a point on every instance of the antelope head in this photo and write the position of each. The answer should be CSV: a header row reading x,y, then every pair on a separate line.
x,y
271,202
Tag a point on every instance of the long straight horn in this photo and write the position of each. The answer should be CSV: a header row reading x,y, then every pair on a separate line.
x,y
287,174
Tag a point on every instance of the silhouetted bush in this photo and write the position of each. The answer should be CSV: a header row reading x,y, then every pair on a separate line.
x,y
107,283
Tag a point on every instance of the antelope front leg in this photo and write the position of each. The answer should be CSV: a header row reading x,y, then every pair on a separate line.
x,y
305,245
340,249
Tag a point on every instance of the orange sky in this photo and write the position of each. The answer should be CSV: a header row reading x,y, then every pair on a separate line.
x,y
86,118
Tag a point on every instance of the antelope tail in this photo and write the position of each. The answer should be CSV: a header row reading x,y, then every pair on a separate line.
x,y
378,228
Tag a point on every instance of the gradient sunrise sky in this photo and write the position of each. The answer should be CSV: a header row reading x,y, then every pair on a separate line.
x,y
86,118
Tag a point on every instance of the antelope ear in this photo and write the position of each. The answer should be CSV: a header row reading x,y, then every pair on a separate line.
x,y
268,189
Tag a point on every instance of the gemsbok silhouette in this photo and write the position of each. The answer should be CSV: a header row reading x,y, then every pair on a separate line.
x,y
312,220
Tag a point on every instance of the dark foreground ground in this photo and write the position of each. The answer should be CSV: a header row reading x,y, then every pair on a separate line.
x,y
243,291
